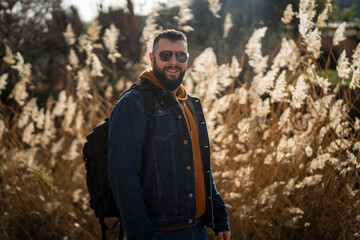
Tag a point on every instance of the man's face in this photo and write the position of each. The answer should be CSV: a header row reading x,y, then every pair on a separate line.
x,y
170,73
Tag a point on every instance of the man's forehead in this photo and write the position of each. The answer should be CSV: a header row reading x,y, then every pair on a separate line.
x,y
166,44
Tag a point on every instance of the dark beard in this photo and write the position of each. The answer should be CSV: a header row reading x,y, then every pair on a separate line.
x,y
168,83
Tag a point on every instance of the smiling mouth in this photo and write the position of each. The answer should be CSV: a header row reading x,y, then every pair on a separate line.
x,y
172,70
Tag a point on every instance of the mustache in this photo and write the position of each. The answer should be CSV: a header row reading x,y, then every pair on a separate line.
x,y
175,67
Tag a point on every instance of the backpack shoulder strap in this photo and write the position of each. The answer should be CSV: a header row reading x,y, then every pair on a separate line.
x,y
148,95
147,92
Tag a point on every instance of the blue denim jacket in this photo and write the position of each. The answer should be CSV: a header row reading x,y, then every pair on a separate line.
x,y
150,166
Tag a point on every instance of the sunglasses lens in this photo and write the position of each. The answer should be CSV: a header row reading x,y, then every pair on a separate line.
x,y
181,56
165,56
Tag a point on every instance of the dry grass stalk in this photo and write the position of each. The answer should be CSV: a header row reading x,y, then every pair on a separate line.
x,y
285,150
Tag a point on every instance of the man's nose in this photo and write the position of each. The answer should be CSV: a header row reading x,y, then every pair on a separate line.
x,y
173,59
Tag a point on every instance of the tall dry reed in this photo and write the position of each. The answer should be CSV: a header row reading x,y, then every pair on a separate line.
x,y
284,149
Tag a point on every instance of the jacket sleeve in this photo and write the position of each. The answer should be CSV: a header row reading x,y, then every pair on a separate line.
x,y
221,218
127,135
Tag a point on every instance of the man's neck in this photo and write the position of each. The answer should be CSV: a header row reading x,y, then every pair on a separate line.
x,y
175,91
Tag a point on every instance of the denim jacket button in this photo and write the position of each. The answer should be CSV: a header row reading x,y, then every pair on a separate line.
x,y
185,142
188,168
191,195
179,116
190,221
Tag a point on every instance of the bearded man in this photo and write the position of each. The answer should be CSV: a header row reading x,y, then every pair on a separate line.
x,y
159,168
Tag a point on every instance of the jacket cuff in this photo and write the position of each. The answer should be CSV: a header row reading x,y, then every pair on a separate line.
x,y
221,227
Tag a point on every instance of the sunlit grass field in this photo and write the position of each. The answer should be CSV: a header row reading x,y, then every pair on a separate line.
x,y
284,136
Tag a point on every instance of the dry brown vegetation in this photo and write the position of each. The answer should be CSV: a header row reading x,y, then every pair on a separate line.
x,y
285,147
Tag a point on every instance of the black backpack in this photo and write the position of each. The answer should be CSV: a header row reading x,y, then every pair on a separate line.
x,y
95,158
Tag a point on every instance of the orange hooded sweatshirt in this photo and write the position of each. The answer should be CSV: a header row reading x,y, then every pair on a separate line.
x,y
181,96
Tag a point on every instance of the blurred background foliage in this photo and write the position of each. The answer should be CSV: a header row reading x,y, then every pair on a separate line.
x,y
35,28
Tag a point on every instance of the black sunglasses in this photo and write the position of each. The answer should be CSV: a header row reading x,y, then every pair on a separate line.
x,y
167,55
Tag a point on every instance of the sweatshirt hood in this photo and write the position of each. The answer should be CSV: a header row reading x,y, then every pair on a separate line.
x,y
148,74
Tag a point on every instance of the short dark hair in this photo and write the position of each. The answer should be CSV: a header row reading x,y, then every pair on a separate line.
x,y
170,34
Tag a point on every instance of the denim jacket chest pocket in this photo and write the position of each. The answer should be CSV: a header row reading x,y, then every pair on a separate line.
x,y
162,124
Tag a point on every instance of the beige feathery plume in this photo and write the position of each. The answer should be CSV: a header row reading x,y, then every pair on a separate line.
x,y
320,108
184,16
25,114
148,34
324,84
69,114
215,7
306,14
311,38
288,56
290,186
28,134
320,162
339,35
24,69
79,121
40,119
85,46
288,14
313,42
260,108
57,146
60,104
31,109
285,117
49,129
94,30
356,57
355,79
357,124
109,92
343,66
3,128
253,50
96,70
110,40
323,16
299,93
19,93
3,81
73,59
279,92
268,194
121,84
336,114
243,96
83,85
73,152
309,181
9,57
69,35
235,69
264,83
228,24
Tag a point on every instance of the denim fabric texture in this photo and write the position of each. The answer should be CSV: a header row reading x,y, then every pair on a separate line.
x,y
150,166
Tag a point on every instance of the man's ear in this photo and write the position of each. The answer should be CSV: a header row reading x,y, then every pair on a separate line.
x,y
151,57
